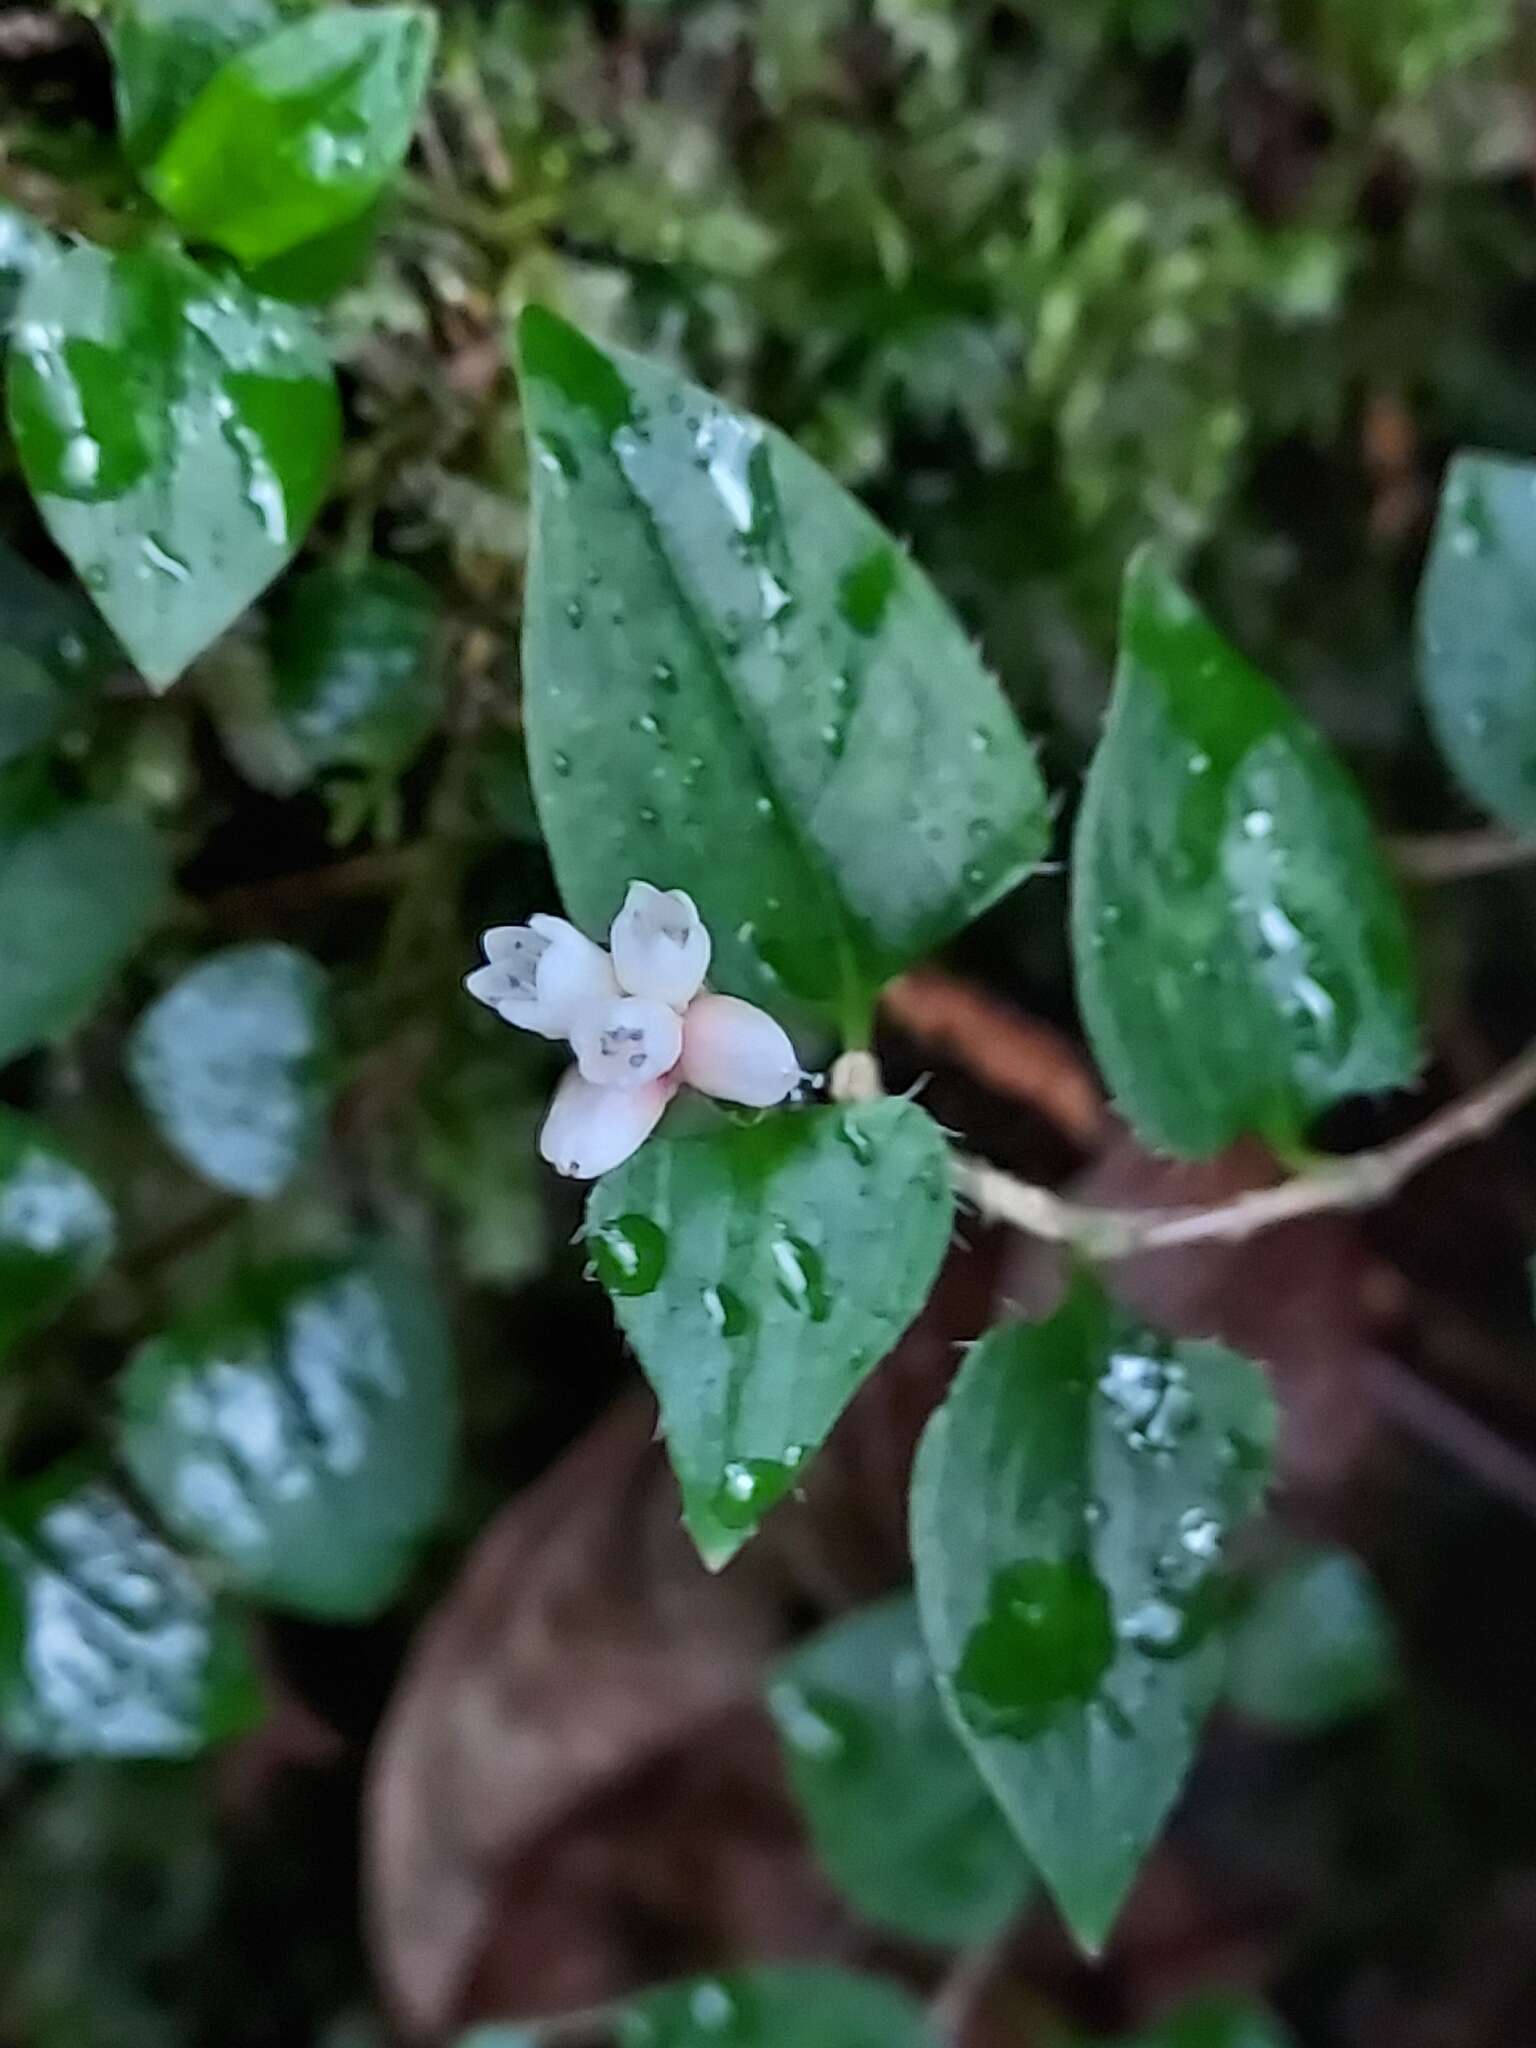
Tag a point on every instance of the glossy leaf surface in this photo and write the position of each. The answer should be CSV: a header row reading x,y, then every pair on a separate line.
x,y
1313,1646
784,2006
900,1818
739,685
1477,633
1070,1506
235,1065
761,1271
165,51
300,1429
300,132
110,1645
56,1227
79,885
1242,958
352,651
177,432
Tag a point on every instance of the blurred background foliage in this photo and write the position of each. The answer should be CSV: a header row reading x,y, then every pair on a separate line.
x,y
1038,278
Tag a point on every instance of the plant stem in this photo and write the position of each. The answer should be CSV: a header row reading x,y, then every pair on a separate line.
x,y
1459,856
1359,1182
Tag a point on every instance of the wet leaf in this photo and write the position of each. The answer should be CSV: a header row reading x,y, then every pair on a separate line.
x,y
235,1065
761,1271
782,2006
1314,1646
900,1818
298,133
1070,1507
25,248
352,651
110,1645
53,649
56,1226
1477,633
165,51
1212,2023
1242,959
79,885
177,432
739,685
300,1428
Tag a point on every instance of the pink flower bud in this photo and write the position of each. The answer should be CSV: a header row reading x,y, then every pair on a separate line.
x,y
590,1130
737,1052
627,1041
660,947
540,975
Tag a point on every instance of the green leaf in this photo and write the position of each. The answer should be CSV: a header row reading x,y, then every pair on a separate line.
x,y
739,685
177,432
1314,1646
1211,2023
785,2005
300,132
356,683
56,1228
79,886
235,1065
1070,1504
1242,958
1477,633
110,1646
761,1271
900,1819
25,248
300,1428
165,51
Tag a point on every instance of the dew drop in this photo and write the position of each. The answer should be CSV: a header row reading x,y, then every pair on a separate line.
x,y
801,1277
630,1254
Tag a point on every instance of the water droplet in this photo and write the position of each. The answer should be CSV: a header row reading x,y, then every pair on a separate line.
x,y
648,723
801,1276
162,561
1044,1643
1158,1628
727,1311
648,816
748,1488
630,1254
1199,764
1258,824
816,1724
763,806
664,676
576,612
711,2006
852,1133
80,464
1149,1400
981,741
561,763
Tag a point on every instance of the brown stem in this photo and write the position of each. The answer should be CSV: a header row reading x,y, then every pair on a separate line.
x,y
1459,856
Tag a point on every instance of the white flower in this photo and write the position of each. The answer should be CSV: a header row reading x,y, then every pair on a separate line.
x,y
639,1024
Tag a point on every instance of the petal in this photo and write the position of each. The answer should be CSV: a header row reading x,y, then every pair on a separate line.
x,y
660,947
518,943
737,1052
591,1130
573,974
498,987
627,1041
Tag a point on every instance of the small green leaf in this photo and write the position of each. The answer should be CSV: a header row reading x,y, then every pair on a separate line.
x,y
1070,1505
235,1065
1242,958
761,1271
300,132
356,683
165,51
300,1428
177,432
56,1227
739,685
776,2006
110,1646
1209,2023
79,886
1314,1646
53,650
900,1819
1477,633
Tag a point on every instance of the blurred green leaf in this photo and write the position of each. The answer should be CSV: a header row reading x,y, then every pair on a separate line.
x,y
761,1271
478,1135
355,682
1209,2023
785,2005
901,1821
56,1228
1243,960
1477,633
235,1064
738,684
165,51
79,887
1070,1506
109,1643
25,248
177,432
1314,1645
53,649
300,1428
300,132
316,271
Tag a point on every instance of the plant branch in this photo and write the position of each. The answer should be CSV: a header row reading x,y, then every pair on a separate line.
x,y
1359,1182
1459,856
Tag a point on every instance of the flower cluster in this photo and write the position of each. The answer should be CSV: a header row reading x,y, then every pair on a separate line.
x,y
639,1021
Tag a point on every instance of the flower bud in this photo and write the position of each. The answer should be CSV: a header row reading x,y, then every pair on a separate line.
x,y
541,975
591,1130
627,1041
737,1052
660,947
